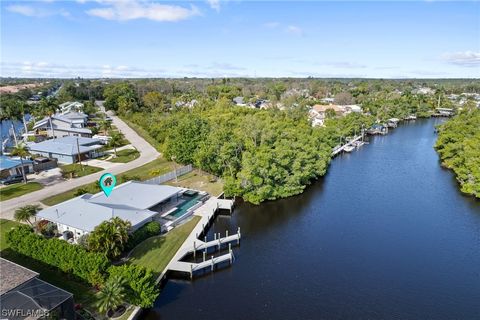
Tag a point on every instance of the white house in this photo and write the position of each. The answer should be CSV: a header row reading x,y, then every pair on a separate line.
x,y
68,124
68,149
133,201
70,107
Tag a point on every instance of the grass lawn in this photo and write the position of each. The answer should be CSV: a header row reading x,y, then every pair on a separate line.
x,y
155,253
76,170
18,189
6,225
199,180
125,155
158,166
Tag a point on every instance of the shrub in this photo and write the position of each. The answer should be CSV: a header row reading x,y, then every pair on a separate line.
x,y
141,288
148,230
73,259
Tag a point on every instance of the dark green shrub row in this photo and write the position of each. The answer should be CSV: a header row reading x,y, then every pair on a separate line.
x,y
91,267
146,231
141,288
73,259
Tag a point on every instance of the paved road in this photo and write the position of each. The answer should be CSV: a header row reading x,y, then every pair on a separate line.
x,y
147,154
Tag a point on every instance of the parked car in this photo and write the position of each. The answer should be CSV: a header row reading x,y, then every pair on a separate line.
x,y
12,179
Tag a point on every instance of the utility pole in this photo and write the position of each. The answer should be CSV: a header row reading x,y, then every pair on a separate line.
x,y
79,156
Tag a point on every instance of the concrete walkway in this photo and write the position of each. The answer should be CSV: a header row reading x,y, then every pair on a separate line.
x,y
147,154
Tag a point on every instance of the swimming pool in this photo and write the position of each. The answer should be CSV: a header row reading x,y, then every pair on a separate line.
x,y
184,207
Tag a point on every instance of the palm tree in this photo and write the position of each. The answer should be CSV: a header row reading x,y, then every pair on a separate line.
x,y
24,214
20,150
112,294
109,237
105,126
115,141
48,107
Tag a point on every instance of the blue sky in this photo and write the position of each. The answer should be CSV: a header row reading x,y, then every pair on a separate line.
x,y
137,38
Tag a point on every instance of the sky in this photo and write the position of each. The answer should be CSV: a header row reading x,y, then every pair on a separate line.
x,y
214,38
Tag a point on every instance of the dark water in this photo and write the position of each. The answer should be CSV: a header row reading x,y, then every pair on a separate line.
x,y
385,235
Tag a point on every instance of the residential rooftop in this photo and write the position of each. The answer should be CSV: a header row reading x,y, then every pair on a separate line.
x,y
67,145
12,275
129,201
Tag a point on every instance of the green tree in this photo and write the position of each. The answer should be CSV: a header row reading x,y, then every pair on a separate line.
x,y
115,141
153,101
112,294
109,237
48,108
25,213
21,150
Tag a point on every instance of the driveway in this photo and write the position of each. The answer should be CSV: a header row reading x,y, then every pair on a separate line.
x,y
147,154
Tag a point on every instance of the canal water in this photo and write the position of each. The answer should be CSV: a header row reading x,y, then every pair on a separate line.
x,y
384,235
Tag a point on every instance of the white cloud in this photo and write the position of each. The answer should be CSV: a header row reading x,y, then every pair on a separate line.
x,y
123,10
465,58
291,29
53,70
23,10
214,4
36,11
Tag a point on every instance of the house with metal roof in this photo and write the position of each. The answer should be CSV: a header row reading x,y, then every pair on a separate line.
x,y
24,296
133,201
70,123
10,166
68,149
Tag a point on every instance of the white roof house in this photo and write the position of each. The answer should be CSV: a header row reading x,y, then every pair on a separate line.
x,y
70,107
67,149
130,201
68,124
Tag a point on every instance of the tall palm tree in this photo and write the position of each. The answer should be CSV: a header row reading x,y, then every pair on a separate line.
x,y
109,237
48,107
105,126
115,141
112,294
20,150
24,214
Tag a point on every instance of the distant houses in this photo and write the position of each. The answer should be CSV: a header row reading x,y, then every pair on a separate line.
x,y
318,113
70,106
68,149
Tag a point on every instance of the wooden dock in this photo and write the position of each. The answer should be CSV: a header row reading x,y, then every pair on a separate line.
x,y
339,149
193,245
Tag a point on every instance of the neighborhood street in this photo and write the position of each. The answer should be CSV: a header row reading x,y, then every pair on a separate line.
x,y
147,154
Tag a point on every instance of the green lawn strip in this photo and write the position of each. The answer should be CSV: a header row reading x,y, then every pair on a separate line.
x,y
82,293
199,180
18,189
6,225
78,170
125,155
155,253
154,168
143,133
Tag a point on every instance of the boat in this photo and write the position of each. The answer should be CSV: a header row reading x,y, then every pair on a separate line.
x,y
358,144
348,148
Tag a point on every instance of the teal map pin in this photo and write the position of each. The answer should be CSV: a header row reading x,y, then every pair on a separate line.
x,y
107,183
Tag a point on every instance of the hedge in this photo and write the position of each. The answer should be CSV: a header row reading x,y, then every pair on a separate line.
x,y
141,288
148,230
88,266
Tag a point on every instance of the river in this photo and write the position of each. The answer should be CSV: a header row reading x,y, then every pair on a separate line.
x,y
386,234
